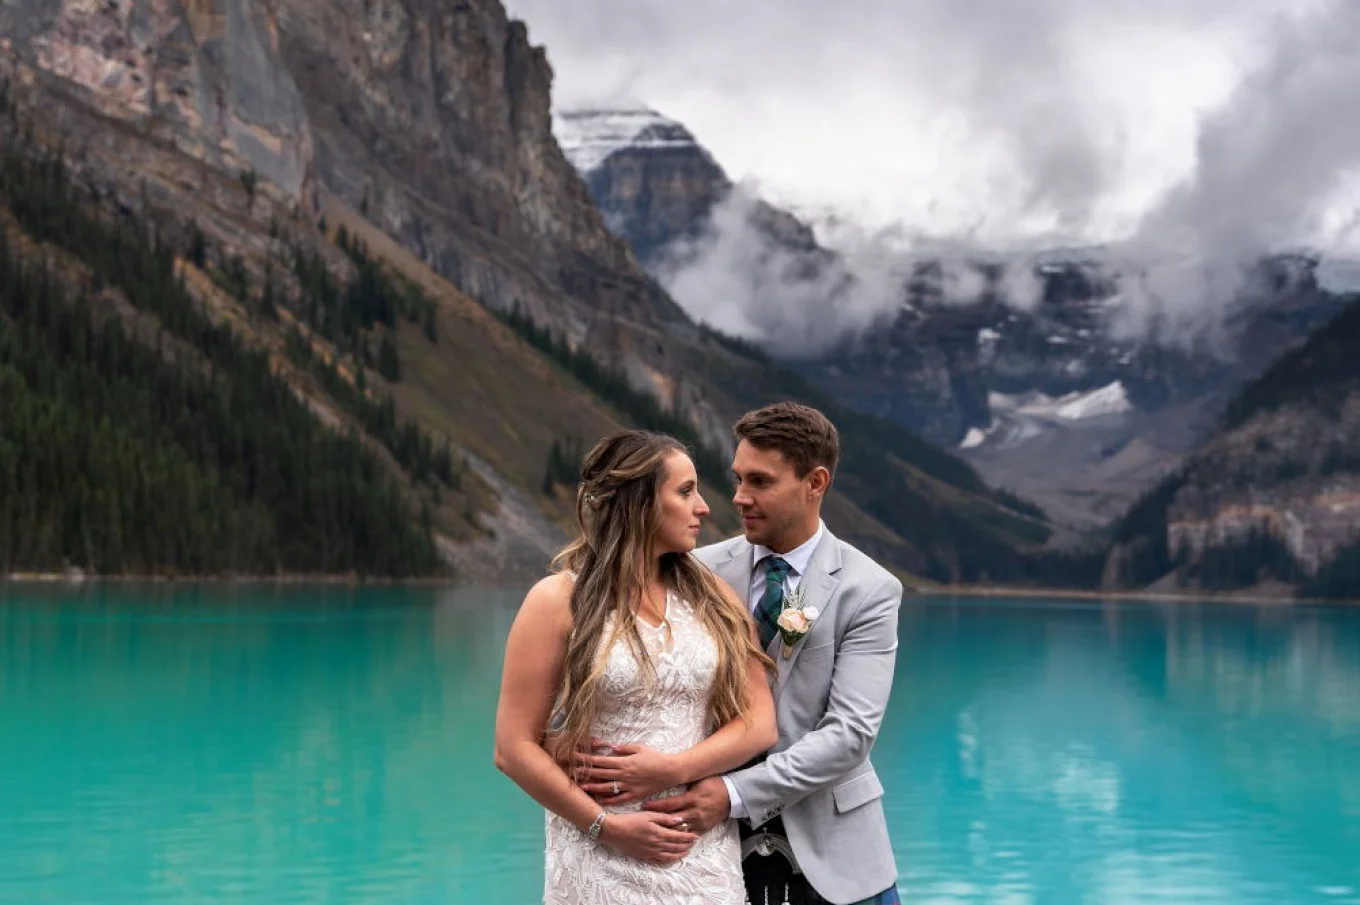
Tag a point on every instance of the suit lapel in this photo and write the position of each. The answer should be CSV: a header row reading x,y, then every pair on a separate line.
x,y
734,567
820,586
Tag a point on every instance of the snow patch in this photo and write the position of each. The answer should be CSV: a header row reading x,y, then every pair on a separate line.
x,y
1021,417
1108,400
974,437
588,136
1111,399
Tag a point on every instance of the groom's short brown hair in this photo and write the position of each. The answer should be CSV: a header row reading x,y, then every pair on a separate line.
x,y
805,436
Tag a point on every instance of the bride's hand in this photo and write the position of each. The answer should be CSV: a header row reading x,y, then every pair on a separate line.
x,y
631,773
648,836
566,757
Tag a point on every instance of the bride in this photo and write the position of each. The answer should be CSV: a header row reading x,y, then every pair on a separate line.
x,y
634,641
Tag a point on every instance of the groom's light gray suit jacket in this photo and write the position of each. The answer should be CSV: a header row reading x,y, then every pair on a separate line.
x,y
830,696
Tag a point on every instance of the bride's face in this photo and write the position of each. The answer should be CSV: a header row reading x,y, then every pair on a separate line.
x,y
680,507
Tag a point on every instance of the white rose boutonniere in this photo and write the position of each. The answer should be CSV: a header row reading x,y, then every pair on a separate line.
x,y
795,621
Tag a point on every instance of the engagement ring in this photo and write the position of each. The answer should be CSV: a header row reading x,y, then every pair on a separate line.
x,y
616,787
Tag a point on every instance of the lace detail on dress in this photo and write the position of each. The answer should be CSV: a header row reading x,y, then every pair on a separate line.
x,y
668,713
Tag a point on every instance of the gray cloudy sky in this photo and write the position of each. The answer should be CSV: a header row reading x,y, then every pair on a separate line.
x,y
996,120
1192,135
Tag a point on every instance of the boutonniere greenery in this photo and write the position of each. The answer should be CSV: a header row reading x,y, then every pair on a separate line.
x,y
795,620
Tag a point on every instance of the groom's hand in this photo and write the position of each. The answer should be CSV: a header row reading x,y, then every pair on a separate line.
x,y
703,807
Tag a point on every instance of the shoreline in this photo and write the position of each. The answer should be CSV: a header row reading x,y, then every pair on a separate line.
x,y
1246,598
298,579
972,591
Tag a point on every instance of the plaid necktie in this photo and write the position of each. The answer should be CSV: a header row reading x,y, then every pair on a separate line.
x,y
772,601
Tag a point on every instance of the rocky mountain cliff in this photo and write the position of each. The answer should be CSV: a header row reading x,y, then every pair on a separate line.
x,y
658,187
486,297
652,181
433,121
1042,393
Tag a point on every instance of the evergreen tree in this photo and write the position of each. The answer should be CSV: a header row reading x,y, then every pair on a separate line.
x,y
428,326
563,465
1339,578
389,364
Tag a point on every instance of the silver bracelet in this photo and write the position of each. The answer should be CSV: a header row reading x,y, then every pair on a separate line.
x,y
594,831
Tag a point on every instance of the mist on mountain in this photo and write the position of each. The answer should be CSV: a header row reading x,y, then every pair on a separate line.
x,y
1176,142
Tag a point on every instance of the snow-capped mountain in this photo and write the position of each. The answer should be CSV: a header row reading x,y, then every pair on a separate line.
x,y
655,184
589,137
1027,378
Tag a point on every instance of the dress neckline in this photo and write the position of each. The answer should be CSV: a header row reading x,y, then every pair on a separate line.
x,y
665,616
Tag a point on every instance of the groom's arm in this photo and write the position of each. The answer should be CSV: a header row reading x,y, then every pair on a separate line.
x,y
861,682
736,807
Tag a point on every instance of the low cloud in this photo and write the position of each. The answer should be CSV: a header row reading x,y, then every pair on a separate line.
x,y
739,277
1275,170
746,279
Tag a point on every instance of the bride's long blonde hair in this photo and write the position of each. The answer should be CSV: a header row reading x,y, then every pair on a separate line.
x,y
618,515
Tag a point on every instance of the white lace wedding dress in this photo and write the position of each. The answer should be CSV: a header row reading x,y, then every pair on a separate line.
x,y
670,716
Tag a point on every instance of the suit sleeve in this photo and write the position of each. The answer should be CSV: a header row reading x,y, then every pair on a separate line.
x,y
861,682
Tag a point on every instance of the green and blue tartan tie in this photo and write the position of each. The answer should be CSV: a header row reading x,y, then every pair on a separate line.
x,y
772,601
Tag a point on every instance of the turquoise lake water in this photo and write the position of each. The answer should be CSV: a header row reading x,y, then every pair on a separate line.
x,y
334,746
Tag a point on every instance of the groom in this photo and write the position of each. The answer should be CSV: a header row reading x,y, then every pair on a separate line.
x,y
816,790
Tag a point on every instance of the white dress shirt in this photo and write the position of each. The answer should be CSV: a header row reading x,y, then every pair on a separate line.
x,y
798,559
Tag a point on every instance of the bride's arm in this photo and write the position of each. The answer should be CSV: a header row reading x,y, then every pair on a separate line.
x,y
534,654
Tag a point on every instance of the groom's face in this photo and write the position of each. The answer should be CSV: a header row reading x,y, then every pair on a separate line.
x,y
773,501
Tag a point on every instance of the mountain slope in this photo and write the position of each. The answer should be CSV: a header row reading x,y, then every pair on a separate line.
x,y
475,286
1274,496
499,402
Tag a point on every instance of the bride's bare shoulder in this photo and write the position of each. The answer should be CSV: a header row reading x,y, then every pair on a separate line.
x,y
550,598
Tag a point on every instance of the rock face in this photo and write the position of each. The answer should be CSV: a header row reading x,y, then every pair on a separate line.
x,y
653,182
658,188
405,94
377,103
1292,473
433,119
1289,475
204,75
1274,495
